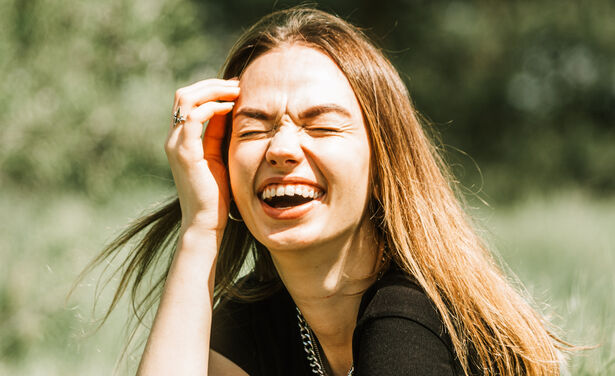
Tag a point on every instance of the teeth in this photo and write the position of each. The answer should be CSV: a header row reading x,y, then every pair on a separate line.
x,y
299,190
291,190
280,190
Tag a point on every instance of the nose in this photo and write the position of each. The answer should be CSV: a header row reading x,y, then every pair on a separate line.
x,y
284,149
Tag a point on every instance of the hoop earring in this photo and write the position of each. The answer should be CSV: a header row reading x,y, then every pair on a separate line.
x,y
234,217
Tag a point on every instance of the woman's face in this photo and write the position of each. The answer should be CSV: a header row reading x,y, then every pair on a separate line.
x,y
299,153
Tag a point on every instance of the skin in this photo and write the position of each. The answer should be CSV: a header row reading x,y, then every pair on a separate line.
x,y
323,254
178,343
329,149
298,118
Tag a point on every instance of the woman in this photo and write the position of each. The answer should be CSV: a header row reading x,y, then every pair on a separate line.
x,y
315,177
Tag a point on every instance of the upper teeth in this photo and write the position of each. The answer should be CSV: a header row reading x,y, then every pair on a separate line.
x,y
274,190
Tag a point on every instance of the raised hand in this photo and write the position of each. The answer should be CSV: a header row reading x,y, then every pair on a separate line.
x,y
196,163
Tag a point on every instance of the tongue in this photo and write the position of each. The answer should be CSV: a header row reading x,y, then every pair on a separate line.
x,y
287,201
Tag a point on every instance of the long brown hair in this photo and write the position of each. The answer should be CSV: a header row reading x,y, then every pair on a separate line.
x,y
414,207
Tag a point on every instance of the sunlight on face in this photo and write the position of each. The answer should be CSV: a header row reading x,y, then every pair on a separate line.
x,y
299,154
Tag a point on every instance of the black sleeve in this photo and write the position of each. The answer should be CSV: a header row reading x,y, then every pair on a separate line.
x,y
397,346
231,335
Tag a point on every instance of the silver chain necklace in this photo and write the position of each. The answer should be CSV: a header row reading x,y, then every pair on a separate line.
x,y
311,350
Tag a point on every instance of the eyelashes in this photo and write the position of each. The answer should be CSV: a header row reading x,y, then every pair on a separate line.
x,y
315,131
259,131
323,129
253,134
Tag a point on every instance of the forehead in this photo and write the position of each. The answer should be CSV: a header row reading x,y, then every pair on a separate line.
x,y
294,76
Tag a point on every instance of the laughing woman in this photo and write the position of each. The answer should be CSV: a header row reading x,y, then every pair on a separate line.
x,y
316,230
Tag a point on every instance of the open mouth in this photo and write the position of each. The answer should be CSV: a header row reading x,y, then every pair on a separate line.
x,y
289,195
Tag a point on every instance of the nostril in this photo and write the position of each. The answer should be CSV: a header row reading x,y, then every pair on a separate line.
x,y
285,162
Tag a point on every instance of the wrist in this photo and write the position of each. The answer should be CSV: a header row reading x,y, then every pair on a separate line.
x,y
203,222
199,236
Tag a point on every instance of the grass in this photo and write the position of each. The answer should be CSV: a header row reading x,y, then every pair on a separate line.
x,y
561,246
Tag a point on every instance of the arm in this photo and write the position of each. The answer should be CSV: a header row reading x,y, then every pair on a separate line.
x,y
179,339
183,320
178,343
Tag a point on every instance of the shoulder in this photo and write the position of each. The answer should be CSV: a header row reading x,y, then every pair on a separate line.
x,y
399,331
398,295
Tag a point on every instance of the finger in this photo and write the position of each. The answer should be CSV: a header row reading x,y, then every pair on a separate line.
x,y
188,102
216,127
212,82
173,133
205,83
204,90
213,137
191,97
170,145
193,127
208,94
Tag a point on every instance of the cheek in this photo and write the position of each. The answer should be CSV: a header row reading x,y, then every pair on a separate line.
x,y
243,161
347,164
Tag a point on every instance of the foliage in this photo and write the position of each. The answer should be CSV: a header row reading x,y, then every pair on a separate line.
x,y
527,89
89,88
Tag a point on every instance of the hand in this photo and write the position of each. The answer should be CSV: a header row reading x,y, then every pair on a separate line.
x,y
198,170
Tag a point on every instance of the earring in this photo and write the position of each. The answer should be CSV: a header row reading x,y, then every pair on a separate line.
x,y
231,215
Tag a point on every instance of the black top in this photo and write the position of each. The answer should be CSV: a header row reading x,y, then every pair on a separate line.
x,y
398,332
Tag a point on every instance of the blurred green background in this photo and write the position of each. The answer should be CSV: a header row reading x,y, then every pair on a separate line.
x,y
522,95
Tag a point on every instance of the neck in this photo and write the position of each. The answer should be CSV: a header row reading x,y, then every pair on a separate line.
x,y
327,283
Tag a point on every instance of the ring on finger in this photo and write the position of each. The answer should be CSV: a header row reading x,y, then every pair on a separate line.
x,y
178,118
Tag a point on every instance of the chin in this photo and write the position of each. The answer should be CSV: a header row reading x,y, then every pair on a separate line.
x,y
291,239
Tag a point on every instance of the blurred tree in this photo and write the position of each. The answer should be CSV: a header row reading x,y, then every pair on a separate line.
x,y
527,89
89,86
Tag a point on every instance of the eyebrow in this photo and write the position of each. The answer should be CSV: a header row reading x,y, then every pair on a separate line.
x,y
321,109
252,113
309,113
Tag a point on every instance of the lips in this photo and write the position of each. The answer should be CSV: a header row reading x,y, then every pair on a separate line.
x,y
282,200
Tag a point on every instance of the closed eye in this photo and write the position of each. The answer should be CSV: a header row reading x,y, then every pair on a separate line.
x,y
323,129
252,134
